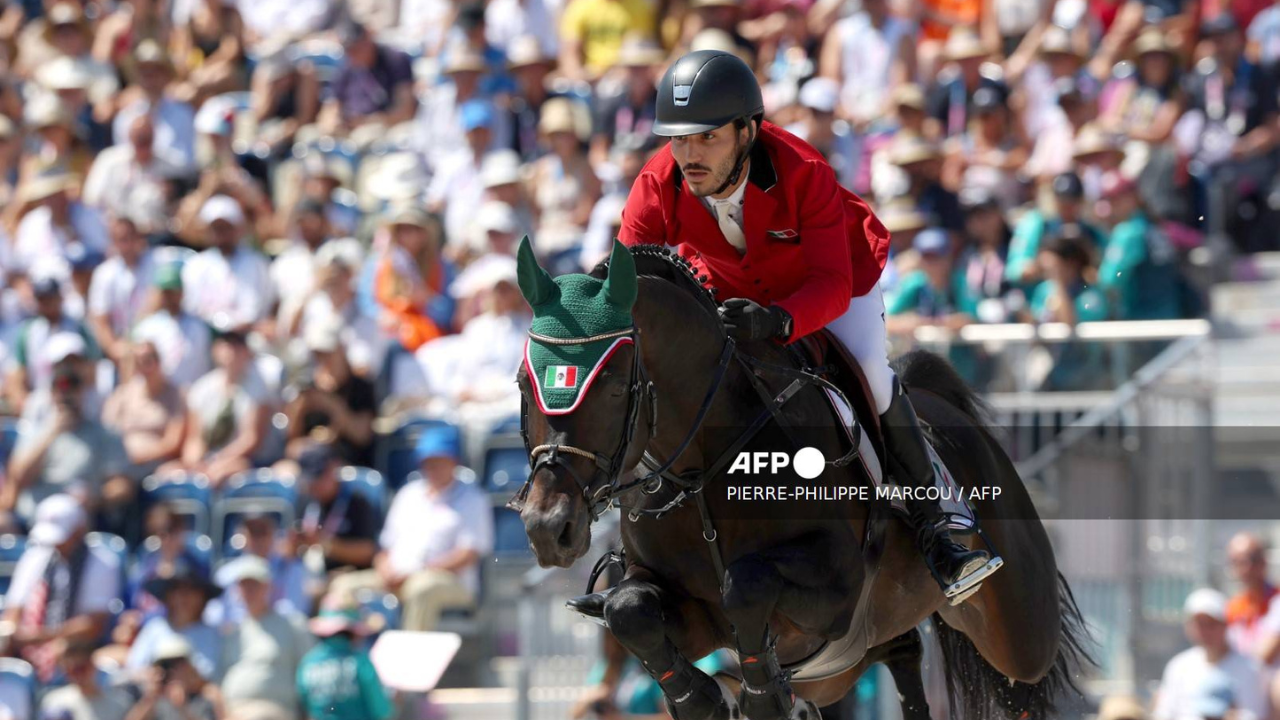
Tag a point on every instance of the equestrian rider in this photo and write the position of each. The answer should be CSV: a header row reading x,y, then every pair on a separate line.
x,y
758,211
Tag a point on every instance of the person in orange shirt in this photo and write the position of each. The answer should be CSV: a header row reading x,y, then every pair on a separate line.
x,y
1247,557
410,274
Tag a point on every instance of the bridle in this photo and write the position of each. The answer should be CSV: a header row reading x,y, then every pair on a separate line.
x,y
639,390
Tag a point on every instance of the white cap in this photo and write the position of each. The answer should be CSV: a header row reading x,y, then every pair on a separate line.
x,y
323,336
221,207
483,274
245,567
821,94
501,167
347,252
497,216
64,73
1206,601
57,518
216,116
171,646
63,345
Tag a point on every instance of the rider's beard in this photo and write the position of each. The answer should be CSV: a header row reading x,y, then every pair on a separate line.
x,y
718,173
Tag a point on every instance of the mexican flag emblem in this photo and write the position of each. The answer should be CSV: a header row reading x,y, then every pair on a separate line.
x,y
561,376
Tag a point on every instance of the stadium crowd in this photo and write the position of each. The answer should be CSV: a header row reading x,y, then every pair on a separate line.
x,y
248,234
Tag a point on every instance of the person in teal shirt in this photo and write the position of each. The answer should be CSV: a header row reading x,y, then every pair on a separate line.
x,y
933,295
1139,268
1065,297
1021,267
336,679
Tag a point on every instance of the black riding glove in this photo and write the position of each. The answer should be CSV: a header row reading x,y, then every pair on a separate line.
x,y
748,320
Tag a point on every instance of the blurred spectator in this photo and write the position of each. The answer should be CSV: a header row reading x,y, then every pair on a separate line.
x,y
333,405
1064,296
456,189
529,65
182,340
1068,196
986,245
904,223
259,536
261,653
336,679
921,160
176,689
1055,144
131,22
503,178
441,125
333,300
82,261
184,591
869,53
1247,559
286,98
30,365
209,52
62,589
229,284
932,295
411,277
124,178
592,33
950,101
470,36
436,533
508,20
1146,105
818,127
120,289
1138,267
627,160
147,412
271,24
54,222
628,112
228,413
1209,663
64,448
83,697
563,184
339,525
173,550
293,270
1121,707
150,70
373,88
991,152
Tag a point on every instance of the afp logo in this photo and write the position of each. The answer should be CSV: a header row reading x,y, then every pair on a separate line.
x,y
807,463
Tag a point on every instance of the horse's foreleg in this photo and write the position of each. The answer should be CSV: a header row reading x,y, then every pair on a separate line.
x,y
753,587
635,615
902,657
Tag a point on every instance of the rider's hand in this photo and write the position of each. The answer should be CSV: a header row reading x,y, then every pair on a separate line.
x,y
748,320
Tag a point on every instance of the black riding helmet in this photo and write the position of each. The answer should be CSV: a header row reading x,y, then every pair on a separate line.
x,y
704,90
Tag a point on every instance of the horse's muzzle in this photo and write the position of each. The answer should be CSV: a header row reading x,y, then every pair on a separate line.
x,y
560,534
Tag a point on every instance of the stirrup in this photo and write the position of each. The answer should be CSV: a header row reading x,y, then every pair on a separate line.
x,y
970,580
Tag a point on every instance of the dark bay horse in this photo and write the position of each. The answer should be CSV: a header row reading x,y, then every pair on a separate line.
x,y
776,585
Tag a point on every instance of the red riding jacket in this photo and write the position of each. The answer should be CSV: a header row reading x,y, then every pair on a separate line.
x,y
811,244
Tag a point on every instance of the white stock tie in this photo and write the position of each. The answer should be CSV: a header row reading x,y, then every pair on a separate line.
x,y
728,226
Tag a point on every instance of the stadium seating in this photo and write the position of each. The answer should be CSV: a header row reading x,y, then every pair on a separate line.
x,y
11,548
510,542
18,681
256,491
368,483
188,495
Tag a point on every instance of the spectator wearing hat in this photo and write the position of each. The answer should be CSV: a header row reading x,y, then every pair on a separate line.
x,y
62,589
1146,106
629,111
495,229
184,591
922,162
124,175
982,262
1069,209
336,679
120,288
150,70
262,651
333,300
339,526
818,126
332,405
293,270
374,86
53,222
83,697
291,593
592,33
228,284
63,447
1138,268
992,152
950,101
932,295
63,30
562,183
147,411
411,280
437,532
1053,153
81,261
625,163
221,174
84,87
530,64
182,340
228,413
456,190
503,177
470,35
869,54
176,688
169,547
1209,663
29,366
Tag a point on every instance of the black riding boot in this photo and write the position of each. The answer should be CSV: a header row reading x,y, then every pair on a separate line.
x,y
912,467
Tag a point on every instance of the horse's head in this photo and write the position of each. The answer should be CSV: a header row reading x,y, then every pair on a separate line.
x,y
584,395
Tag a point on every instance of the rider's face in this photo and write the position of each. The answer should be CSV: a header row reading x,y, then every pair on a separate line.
x,y
707,159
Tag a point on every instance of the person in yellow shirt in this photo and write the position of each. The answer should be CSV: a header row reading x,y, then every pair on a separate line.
x,y
592,33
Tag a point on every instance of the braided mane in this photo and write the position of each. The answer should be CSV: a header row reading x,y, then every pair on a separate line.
x,y
661,262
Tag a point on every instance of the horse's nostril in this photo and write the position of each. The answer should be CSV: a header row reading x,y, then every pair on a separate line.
x,y
566,535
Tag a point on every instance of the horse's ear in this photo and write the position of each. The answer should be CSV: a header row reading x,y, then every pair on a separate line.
x,y
620,286
535,284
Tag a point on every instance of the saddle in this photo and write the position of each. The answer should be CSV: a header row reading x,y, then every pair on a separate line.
x,y
835,364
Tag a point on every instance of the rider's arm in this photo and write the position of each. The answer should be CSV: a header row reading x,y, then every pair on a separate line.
x,y
828,284
642,217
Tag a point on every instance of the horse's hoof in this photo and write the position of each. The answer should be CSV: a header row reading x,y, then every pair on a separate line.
x,y
709,699
770,706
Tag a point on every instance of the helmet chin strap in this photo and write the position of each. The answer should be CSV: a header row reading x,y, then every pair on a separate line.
x,y
732,179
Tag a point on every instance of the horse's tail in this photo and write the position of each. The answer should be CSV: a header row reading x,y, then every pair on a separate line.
x,y
927,371
978,691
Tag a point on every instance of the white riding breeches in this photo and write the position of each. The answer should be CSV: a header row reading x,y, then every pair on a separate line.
x,y
861,329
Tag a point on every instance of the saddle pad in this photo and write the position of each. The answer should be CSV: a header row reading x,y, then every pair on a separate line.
x,y
960,513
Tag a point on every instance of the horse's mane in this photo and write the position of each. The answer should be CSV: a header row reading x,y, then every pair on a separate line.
x,y
660,262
